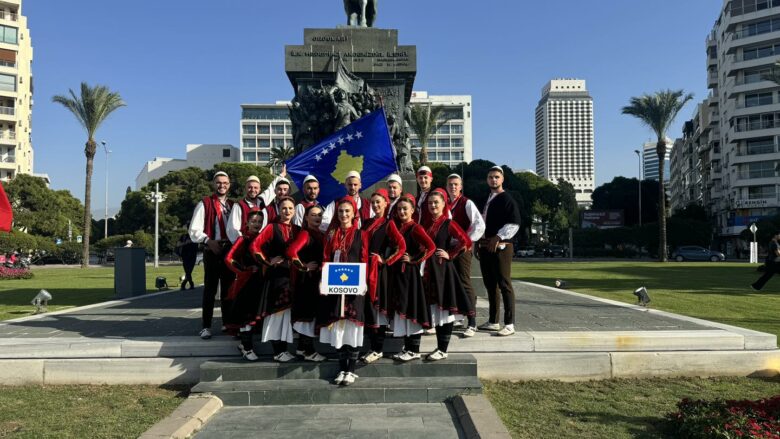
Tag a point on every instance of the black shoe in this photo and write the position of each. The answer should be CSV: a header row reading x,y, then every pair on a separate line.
x,y
753,287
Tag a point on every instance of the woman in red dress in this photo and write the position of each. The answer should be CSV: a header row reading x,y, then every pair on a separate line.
x,y
446,296
341,318
270,249
386,246
306,252
411,312
245,289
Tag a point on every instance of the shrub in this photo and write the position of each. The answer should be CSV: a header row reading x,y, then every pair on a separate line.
x,y
727,419
14,273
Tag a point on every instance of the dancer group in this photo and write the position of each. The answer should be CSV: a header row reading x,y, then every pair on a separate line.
x,y
267,253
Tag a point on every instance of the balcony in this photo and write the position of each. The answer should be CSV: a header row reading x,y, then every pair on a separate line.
x,y
9,16
8,137
7,161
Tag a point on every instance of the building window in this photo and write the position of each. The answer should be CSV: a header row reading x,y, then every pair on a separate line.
x,y
263,129
764,145
760,170
456,142
756,99
264,143
444,129
443,143
9,35
246,143
761,192
278,143
456,129
264,156
226,153
457,156
7,82
759,52
277,129
249,156
265,113
249,129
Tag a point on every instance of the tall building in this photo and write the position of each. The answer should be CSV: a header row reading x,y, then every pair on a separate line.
x,y
264,126
650,160
16,90
199,155
564,136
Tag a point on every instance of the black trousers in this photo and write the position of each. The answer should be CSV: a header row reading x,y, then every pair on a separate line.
x,y
497,277
188,263
463,266
770,269
216,274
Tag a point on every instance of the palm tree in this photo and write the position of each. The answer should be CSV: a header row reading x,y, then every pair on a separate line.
x,y
279,155
424,121
658,111
91,109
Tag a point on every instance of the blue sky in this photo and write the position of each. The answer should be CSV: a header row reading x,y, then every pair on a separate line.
x,y
184,68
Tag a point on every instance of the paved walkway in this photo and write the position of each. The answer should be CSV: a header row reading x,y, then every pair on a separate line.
x,y
424,421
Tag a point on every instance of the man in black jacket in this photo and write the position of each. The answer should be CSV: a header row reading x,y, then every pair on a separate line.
x,y
502,222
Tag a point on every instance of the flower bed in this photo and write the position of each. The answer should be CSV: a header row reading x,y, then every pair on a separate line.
x,y
15,273
727,419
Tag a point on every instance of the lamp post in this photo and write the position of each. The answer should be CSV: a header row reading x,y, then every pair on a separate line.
x,y
639,156
156,197
105,216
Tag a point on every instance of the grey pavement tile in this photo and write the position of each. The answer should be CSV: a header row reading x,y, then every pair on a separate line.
x,y
352,411
291,425
405,422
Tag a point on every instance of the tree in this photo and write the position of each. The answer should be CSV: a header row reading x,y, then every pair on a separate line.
x,y
41,211
621,194
91,109
658,111
279,155
424,121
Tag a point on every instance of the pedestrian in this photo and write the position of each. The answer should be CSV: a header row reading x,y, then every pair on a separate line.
x,y
246,288
502,222
386,247
411,313
342,318
270,249
466,214
772,263
445,294
305,253
353,185
188,251
311,191
208,227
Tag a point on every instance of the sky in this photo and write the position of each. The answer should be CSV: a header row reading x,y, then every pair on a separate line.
x,y
185,67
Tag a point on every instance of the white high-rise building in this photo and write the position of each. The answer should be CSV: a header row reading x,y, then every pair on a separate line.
x,y
264,126
16,90
564,136
650,160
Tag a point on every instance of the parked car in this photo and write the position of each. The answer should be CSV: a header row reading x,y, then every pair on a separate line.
x,y
696,253
554,250
525,252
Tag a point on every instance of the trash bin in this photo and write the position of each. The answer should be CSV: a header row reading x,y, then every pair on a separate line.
x,y
129,271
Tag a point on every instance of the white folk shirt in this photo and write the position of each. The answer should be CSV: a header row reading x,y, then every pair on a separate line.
x,y
233,226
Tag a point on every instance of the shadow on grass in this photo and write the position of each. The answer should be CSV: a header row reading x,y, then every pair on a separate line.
x,y
645,427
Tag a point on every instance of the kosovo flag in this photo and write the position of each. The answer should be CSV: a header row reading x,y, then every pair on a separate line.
x,y
363,146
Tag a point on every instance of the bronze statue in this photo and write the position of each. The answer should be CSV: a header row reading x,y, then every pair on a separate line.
x,y
344,113
360,13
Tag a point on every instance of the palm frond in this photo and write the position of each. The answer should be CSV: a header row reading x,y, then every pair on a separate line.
x,y
424,121
658,110
92,107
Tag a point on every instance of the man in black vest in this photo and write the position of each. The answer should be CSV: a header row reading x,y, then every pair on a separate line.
x,y
209,227
502,221
253,199
311,191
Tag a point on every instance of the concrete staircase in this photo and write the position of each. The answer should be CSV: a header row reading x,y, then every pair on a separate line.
x,y
241,383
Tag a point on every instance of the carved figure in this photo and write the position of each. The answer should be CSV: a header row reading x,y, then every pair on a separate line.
x,y
401,144
361,13
344,113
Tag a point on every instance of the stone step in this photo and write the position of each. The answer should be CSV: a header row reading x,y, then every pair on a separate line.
x,y
366,390
267,369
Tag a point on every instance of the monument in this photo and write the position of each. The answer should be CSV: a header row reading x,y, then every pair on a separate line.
x,y
341,74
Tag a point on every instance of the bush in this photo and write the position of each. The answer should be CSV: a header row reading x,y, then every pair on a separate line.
x,y
14,273
727,419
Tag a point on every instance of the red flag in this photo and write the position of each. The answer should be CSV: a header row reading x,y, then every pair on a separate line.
x,y
6,214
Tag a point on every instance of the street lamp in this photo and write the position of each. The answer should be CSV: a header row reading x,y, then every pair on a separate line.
x,y
105,216
639,156
156,197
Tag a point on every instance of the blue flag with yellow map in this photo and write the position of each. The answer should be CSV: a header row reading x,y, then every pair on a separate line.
x,y
363,146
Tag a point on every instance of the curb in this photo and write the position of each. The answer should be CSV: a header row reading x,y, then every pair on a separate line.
x,y
478,418
188,418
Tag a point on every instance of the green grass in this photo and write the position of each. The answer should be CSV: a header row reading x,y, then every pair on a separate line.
x,y
74,287
713,291
83,411
609,409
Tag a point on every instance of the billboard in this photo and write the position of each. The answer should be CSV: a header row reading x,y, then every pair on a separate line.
x,y
601,219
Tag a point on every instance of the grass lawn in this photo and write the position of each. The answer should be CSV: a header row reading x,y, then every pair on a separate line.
x,y
83,411
717,291
609,409
74,287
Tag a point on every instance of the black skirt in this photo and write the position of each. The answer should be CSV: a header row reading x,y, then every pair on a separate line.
x,y
408,295
277,295
444,289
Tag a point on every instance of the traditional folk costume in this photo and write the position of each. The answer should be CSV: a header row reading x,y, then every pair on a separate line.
x,y
245,291
445,294
411,312
277,296
344,333
308,246
385,242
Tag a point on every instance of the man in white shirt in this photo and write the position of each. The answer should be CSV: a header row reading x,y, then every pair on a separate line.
x,y
311,190
209,227
253,199
465,213
394,190
353,184
502,221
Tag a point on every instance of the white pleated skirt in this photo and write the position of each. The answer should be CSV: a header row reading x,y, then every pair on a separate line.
x,y
305,328
403,327
342,332
278,327
441,317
